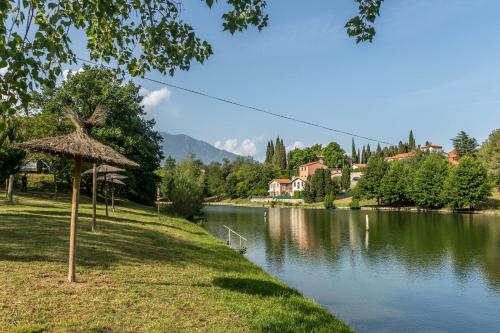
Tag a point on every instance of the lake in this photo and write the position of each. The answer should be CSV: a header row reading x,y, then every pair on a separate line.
x,y
411,272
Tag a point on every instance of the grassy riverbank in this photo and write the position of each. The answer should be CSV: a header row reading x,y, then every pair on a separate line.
x,y
136,274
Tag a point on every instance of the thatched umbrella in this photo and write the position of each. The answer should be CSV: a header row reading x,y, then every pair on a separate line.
x,y
112,178
80,146
103,168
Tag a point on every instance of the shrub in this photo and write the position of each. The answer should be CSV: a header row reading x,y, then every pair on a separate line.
x,y
328,203
354,204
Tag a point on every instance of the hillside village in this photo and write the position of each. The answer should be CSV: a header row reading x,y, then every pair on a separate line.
x,y
285,187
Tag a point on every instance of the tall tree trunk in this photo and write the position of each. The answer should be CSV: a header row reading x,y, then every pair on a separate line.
x,y
94,195
74,219
6,187
10,190
113,197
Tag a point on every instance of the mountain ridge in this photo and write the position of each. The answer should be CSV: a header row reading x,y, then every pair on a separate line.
x,y
180,146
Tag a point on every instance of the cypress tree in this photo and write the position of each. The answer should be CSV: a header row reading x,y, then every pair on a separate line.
x,y
368,152
401,147
354,158
363,155
276,155
358,157
379,150
411,142
269,152
284,162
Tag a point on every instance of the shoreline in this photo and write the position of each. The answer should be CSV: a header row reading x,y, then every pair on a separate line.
x,y
488,212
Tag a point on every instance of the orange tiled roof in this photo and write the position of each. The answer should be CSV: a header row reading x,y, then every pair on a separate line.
x,y
402,155
282,181
432,145
312,163
359,165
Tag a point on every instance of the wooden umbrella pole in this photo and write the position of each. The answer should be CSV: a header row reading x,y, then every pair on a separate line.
x,y
106,194
94,195
113,197
74,219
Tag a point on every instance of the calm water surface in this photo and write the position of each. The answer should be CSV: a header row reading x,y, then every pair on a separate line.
x,y
411,272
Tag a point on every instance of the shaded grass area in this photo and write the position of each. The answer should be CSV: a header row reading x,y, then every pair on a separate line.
x,y
137,273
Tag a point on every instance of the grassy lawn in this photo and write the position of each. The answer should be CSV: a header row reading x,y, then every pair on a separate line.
x,y
136,274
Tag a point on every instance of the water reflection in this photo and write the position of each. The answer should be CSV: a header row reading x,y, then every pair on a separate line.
x,y
408,272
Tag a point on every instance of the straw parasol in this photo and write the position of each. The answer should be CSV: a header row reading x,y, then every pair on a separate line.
x,y
112,179
80,146
103,168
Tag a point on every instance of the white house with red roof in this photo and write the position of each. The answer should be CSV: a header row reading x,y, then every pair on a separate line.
x,y
280,186
432,148
298,184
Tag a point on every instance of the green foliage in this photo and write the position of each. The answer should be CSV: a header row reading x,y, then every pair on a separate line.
x,y
298,194
394,186
11,158
328,202
184,186
299,156
361,26
279,155
319,186
467,184
490,155
125,130
345,180
464,144
369,186
428,184
354,156
334,156
354,204
139,36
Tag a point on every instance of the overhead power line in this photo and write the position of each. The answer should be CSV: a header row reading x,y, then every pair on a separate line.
x,y
249,107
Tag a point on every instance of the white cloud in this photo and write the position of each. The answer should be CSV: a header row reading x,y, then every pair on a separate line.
x,y
247,147
153,98
296,144
66,72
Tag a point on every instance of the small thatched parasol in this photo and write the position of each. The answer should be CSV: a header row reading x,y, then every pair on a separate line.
x,y
112,179
80,146
106,169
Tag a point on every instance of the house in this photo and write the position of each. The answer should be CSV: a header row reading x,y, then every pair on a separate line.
x,y
432,148
298,184
308,169
401,156
279,187
34,166
357,166
453,157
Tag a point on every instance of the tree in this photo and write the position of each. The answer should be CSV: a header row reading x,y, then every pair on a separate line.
x,y
354,157
167,174
36,40
368,152
411,142
334,155
299,156
187,190
394,185
11,158
137,35
464,144
490,155
428,184
363,156
269,152
319,185
379,151
345,179
369,185
467,184
126,130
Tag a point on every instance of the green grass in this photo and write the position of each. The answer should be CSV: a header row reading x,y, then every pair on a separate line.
x,y
136,274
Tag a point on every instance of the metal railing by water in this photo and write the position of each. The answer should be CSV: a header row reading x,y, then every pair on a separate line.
x,y
229,231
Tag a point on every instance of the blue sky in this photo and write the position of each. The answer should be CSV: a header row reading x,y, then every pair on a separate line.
x,y
433,67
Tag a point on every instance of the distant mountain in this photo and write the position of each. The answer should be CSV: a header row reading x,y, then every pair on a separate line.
x,y
179,146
